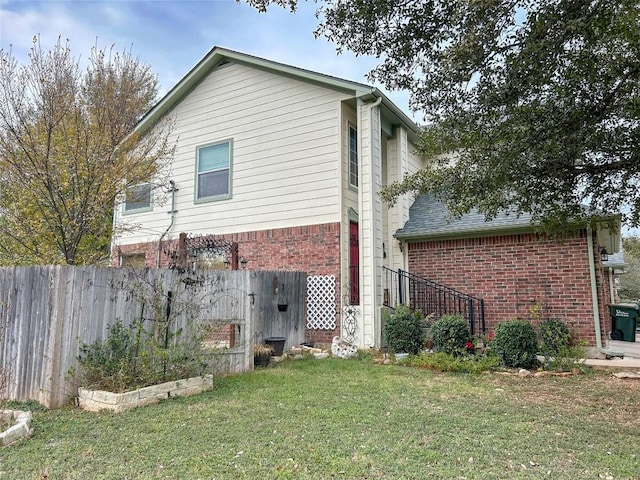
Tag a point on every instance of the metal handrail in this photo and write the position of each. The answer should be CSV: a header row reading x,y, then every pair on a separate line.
x,y
404,288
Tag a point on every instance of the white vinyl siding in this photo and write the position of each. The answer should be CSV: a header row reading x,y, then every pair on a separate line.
x,y
284,163
138,198
213,171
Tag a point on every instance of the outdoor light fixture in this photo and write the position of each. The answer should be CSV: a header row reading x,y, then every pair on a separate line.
x,y
604,255
227,263
243,263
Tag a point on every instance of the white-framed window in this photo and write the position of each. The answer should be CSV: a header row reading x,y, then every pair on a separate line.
x,y
213,171
138,198
353,156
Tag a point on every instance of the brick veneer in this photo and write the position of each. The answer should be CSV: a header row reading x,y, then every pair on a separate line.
x,y
314,249
515,272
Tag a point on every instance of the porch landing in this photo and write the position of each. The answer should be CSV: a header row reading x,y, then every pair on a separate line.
x,y
630,349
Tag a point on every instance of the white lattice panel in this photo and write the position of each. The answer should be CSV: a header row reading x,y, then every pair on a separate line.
x,y
321,305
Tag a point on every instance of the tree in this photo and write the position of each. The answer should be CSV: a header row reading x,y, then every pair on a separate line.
x,y
539,100
630,281
67,151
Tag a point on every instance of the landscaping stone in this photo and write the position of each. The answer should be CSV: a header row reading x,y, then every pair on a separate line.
x,y
343,349
634,375
96,400
19,426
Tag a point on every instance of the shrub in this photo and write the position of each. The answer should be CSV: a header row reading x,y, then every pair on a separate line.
x,y
567,359
403,330
554,337
450,334
132,357
516,344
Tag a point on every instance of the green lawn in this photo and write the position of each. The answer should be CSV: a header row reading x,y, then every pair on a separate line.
x,y
350,419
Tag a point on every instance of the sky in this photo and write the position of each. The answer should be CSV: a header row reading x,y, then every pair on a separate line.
x,y
172,36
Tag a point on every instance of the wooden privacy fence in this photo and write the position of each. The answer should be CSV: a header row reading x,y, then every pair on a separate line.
x,y
47,313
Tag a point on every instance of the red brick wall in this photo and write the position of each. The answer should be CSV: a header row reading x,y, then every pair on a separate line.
x,y
515,272
314,249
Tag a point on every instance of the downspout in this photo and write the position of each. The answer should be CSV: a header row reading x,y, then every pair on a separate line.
x,y
173,191
594,298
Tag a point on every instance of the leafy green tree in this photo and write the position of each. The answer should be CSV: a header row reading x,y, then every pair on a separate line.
x,y
67,151
538,100
630,280
631,247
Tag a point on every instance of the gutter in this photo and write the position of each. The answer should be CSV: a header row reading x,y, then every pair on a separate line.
x,y
173,190
594,298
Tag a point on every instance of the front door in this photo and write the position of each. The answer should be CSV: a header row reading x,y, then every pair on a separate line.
x,y
354,264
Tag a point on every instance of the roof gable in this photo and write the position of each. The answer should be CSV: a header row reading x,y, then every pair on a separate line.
x,y
217,56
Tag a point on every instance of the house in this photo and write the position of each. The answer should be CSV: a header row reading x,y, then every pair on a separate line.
x,y
283,167
515,269
613,265
285,164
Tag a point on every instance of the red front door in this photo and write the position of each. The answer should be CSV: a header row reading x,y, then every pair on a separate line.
x,y
354,264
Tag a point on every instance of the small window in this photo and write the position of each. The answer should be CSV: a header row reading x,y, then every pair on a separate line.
x,y
135,260
353,156
213,172
209,260
138,197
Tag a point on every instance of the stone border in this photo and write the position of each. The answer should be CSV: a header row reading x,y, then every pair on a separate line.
x,y
20,429
96,400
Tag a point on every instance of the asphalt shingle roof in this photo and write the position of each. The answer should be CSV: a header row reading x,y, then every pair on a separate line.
x,y
429,218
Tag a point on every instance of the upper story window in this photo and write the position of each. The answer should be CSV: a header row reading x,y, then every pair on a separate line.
x,y
213,177
138,198
353,156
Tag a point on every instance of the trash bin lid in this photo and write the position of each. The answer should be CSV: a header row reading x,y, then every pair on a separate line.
x,y
624,310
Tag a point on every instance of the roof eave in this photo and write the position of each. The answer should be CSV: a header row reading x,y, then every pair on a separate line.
x,y
478,232
413,130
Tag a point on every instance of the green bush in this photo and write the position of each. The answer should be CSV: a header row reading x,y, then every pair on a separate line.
x,y
450,334
554,337
132,357
516,344
403,330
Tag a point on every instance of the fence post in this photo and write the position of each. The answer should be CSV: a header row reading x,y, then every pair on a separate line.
x,y
472,320
400,292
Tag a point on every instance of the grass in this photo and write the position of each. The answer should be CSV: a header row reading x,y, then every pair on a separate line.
x,y
350,419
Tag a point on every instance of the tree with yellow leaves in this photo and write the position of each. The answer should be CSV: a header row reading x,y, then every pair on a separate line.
x,y
67,151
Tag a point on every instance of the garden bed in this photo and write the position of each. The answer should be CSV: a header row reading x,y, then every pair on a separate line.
x,y
14,424
96,400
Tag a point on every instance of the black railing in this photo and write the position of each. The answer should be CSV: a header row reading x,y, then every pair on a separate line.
x,y
404,288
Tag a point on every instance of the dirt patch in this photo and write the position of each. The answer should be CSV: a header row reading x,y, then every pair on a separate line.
x,y
594,395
